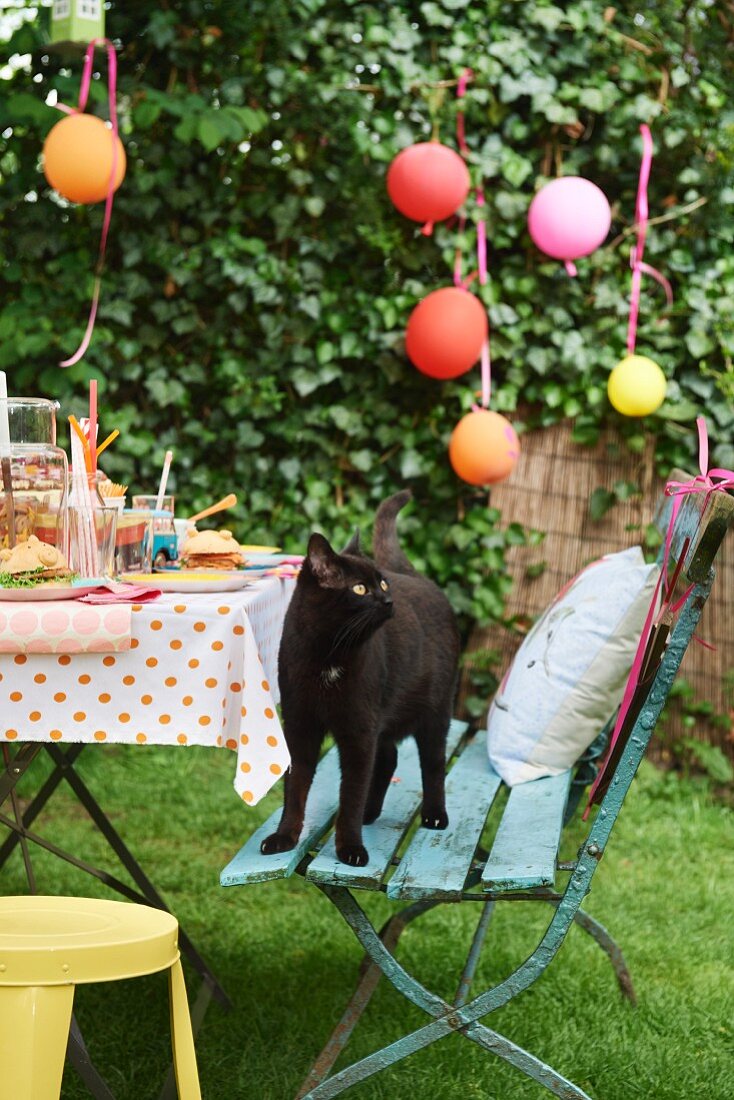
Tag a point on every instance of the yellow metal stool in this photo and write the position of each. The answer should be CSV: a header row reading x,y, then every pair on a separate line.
x,y
49,945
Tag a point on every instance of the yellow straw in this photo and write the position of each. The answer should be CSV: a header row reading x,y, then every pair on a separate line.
x,y
110,439
87,453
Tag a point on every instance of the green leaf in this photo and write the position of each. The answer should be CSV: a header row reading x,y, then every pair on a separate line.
x,y
600,502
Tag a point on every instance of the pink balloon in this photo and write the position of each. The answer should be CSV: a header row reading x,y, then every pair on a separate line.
x,y
569,217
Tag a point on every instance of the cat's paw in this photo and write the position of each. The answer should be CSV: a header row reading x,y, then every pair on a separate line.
x,y
434,819
277,842
355,855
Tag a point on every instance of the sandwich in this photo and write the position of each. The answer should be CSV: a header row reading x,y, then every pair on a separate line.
x,y
31,563
211,550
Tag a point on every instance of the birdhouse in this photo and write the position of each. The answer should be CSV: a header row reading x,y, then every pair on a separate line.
x,y
77,20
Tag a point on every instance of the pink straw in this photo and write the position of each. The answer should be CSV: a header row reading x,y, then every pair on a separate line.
x,y
93,423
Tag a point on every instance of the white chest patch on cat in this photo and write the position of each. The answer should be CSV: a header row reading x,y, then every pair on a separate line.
x,y
330,676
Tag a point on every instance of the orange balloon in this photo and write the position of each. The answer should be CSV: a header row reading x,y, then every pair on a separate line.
x,y
446,332
77,158
484,447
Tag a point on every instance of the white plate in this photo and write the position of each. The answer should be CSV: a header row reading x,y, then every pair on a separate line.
x,y
48,592
188,582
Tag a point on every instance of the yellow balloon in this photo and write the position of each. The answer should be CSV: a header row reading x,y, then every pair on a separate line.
x,y
636,386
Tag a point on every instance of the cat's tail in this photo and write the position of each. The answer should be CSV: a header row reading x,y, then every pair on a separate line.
x,y
387,551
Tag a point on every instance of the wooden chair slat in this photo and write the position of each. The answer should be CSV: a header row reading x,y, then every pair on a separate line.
x,y
525,849
249,865
437,862
382,838
703,519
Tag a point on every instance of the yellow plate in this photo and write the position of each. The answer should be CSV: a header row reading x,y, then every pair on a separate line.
x,y
261,549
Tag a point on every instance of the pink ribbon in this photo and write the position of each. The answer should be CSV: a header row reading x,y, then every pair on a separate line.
x,y
83,96
702,483
481,272
637,250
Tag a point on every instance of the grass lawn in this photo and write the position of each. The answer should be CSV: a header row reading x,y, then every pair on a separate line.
x,y
665,890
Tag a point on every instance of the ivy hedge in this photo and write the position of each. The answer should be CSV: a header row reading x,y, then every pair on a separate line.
x,y
258,279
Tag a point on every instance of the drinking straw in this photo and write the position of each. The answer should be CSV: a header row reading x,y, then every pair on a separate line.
x,y
86,537
86,456
164,480
5,458
110,439
92,436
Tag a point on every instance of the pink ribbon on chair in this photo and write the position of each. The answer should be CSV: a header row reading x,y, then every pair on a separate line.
x,y
637,250
702,483
83,96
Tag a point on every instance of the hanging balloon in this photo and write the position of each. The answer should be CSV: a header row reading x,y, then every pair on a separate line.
x,y
428,182
77,158
636,386
569,218
484,447
446,332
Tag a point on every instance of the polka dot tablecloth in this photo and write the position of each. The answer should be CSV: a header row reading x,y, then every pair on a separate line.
x,y
201,670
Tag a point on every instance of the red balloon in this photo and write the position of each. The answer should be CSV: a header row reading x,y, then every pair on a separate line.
x,y
428,181
446,332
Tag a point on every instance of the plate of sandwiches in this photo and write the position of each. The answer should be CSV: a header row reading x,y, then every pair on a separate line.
x,y
211,561
36,570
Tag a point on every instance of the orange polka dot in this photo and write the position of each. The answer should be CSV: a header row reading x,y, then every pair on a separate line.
x,y
179,608
244,739
151,662
11,734
156,624
79,716
269,713
211,682
60,697
176,644
104,697
55,735
35,715
265,685
146,700
276,769
187,700
217,646
223,610
182,738
16,696
272,741
205,720
65,659
199,627
229,666
39,678
238,630
85,679
219,739
164,719
20,659
193,663
140,738
100,735
137,607
245,767
108,661
171,681
243,711
231,743
128,680
235,686
134,643
247,796
124,717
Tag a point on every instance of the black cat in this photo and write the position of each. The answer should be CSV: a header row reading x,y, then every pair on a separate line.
x,y
369,653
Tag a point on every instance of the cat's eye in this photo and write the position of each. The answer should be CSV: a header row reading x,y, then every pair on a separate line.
x,y
384,586
359,589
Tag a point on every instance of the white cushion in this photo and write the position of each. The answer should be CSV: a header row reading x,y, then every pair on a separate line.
x,y
569,674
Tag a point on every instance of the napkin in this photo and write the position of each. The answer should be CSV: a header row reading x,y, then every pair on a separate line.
x,y
121,593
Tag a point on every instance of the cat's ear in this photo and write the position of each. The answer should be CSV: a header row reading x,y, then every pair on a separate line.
x,y
324,562
353,546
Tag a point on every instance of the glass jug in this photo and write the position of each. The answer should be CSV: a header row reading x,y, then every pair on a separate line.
x,y
33,498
